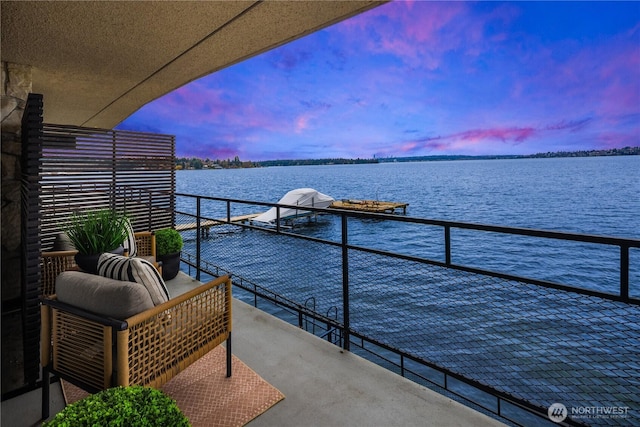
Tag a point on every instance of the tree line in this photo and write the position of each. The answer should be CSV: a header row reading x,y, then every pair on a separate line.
x,y
236,163
197,163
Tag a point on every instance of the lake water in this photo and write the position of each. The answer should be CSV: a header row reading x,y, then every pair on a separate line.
x,y
595,195
533,343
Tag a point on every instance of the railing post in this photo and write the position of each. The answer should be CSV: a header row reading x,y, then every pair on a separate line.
x,y
447,244
198,199
150,212
624,272
345,284
229,211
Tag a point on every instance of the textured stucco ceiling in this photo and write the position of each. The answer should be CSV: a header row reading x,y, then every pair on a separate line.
x,y
98,62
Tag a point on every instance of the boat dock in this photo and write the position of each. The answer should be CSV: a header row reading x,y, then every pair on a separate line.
x,y
207,224
375,206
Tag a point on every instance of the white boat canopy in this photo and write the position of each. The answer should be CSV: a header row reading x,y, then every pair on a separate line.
x,y
303,197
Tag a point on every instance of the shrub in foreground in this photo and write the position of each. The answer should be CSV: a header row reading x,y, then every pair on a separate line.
x,y
133,406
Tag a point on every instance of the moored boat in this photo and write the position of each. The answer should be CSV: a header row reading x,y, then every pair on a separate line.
x,y
301,198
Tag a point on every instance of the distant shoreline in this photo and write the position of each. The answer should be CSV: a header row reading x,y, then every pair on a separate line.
x,y
626,151
196,163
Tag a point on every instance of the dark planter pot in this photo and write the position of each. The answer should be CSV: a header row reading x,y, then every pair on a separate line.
x,y
89,262
170,265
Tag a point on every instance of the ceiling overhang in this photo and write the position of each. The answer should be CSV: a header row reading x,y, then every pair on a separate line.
x,y
98,62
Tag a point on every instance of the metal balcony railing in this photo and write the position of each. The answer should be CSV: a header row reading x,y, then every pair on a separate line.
x,y
443,303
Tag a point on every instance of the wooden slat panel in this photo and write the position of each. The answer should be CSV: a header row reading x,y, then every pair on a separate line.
x,y
86,169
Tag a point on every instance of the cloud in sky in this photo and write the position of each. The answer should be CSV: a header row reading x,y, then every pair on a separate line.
x,y
422,78
509,136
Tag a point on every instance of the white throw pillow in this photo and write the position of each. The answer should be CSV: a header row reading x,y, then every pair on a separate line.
x,y
130,242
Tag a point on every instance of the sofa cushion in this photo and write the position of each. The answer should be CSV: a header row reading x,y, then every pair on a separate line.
x,y
108,297
63,243
134,270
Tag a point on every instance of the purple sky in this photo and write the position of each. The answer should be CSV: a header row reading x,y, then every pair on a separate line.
x,y
422,78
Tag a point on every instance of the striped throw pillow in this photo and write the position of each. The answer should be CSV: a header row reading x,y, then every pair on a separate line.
x,y
134,270
130,242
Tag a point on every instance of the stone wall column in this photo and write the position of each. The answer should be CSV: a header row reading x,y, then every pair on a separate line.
x,y
16,86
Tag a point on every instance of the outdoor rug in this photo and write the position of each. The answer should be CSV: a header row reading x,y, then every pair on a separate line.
x,y
207,397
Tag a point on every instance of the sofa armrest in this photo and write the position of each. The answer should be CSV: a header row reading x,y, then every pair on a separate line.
x,y
77,344
145,243
52,264
182,330
53,302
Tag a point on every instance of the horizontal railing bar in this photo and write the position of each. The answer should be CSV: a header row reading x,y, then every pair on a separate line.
x,y
578,237
476,384
444,386
506,276
623,243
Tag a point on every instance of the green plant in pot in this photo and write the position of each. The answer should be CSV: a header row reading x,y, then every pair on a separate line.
x,y
94,233
168,246
122,406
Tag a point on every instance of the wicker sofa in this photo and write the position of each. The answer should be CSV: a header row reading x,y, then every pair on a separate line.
x,y
61,258
90,347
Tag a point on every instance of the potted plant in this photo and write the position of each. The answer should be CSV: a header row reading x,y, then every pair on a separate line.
x,y
122,406
168,246
95,232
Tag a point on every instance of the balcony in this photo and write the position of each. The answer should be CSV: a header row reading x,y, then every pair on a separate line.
x,y
495,341
323,385
507,337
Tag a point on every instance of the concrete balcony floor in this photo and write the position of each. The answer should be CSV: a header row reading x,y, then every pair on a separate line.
x,y
323,385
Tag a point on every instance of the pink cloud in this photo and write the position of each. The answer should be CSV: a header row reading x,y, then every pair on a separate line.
x,y
421,33
502,134
408,146
192,102
302,123
231,113
407,30
483,138
570,125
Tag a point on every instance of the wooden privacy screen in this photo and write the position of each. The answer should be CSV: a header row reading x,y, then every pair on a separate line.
x,y
67,169
88,169
30,236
